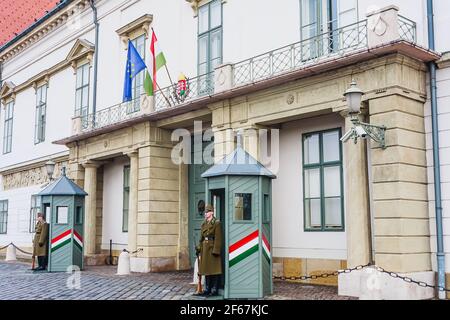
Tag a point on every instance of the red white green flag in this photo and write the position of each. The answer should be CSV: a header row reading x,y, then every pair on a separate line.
x,y
157,62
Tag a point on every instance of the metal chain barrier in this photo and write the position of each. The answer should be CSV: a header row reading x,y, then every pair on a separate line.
x,y
17,248
133,252
360,267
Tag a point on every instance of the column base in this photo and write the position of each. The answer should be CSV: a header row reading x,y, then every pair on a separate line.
x,y
95,259
370,284
144,265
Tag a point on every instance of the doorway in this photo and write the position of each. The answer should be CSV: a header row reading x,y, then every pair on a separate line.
x,y
218,201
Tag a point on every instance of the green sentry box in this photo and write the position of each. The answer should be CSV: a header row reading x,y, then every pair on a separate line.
x,y
240,188
63,204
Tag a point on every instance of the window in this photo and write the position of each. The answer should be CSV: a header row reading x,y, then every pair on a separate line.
x,y
62,215
3,216
242,206
8,128
41,106
318,17
126,197
138,82
209,36
322,181
79,215
82,91
35,208
266,209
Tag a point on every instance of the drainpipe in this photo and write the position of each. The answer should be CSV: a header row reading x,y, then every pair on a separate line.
x,y
94,98
436,161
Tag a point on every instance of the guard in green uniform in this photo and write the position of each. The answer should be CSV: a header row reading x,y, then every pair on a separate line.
x,y
209,249
40,242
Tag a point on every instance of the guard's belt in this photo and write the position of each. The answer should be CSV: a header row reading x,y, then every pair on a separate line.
x,y
209,238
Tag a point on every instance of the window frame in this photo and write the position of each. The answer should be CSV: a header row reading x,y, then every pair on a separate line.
x,y
252,204
4,214
321,165
79,109
35,207
8,127
137,91
125,190
40,116
208,34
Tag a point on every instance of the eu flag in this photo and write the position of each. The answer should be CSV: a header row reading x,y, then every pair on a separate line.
x,y
134,65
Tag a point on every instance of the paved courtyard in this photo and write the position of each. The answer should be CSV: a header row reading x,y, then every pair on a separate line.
x,y
18,282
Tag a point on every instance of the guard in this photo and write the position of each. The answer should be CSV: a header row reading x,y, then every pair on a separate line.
x,y
209,249
40,242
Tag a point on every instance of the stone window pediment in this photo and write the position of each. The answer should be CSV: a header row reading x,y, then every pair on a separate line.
x,y
195,4
135,28
7,92
81,51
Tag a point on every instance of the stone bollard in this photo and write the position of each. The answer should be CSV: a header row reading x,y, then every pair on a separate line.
x,y
123,266
11,253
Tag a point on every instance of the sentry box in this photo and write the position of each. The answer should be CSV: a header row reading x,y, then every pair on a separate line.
x,y
240,189
63,204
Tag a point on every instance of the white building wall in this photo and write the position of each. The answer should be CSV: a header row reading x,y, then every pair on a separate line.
x,y
113,205
19,205
443,94
289,237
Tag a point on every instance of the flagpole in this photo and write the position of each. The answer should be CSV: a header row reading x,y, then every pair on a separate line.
x,y
157,85
167,69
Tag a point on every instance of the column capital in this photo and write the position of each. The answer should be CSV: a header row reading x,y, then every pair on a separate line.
x,y
91,164
131,153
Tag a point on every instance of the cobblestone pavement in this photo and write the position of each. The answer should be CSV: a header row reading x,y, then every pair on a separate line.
x,y
18,282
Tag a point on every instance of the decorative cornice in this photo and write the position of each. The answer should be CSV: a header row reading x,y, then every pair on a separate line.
x,y
43,30
142,23
444,61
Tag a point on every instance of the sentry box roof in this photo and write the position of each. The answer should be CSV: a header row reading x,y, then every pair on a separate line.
x,y
238,163
63,187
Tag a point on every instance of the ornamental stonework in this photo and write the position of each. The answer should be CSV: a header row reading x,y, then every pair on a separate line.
x,y
31,177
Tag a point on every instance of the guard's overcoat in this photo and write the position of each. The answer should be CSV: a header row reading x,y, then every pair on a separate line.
x,y
40,242
210,250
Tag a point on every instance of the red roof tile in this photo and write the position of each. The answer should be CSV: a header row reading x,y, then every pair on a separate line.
x,y
17,15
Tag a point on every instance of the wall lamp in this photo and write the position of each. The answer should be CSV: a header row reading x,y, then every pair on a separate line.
x,y
361,129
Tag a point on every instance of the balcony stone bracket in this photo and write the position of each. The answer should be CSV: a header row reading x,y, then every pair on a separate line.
x,y
382,26
223,77
76,125
147,104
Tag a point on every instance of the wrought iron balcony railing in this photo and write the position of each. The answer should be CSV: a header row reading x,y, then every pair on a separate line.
x,y
111,115
331,44
305,52
407,29
195,88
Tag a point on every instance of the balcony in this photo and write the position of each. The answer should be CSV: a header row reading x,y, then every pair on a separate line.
x,y
379,29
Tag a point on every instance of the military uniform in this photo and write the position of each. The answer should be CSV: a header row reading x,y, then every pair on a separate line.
x,y
40,244
209,249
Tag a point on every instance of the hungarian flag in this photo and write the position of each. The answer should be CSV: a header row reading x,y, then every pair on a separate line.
x,y
157,62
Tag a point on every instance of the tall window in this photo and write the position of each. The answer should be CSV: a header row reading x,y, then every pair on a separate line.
x,y
138,82
3,216
82,91
34,209
126,197
41,106
322,181
209,36
8,128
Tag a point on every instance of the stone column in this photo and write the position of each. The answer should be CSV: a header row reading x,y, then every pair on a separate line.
x,y
400,197
90,223
133,201
357,222
224,143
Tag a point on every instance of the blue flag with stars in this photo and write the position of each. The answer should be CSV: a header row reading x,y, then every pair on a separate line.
x,y
134,65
